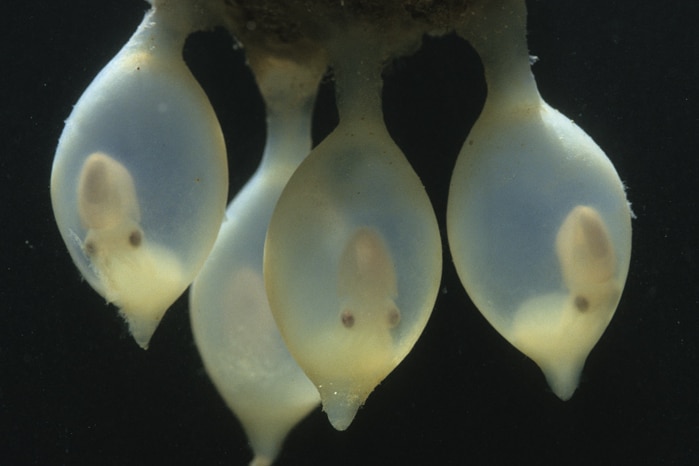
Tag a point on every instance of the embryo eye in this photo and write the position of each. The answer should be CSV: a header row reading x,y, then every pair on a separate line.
x,y
135,238
347,318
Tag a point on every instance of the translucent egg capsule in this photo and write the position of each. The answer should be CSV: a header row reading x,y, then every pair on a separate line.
x,y
538,222
353,254
139,179
233,327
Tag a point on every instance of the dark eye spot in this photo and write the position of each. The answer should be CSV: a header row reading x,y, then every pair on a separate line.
x,y
393,317
581,303
347,318
135,238
90,248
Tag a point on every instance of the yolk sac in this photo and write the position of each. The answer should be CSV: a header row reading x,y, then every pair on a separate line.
x,y
233,327
538,222
353,239
144,148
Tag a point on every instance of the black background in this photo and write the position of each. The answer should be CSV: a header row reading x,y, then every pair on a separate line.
x,y
76,390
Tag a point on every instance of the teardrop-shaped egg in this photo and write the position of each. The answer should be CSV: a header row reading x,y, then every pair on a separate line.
x,y
139,180
538,222
233,327
353,253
